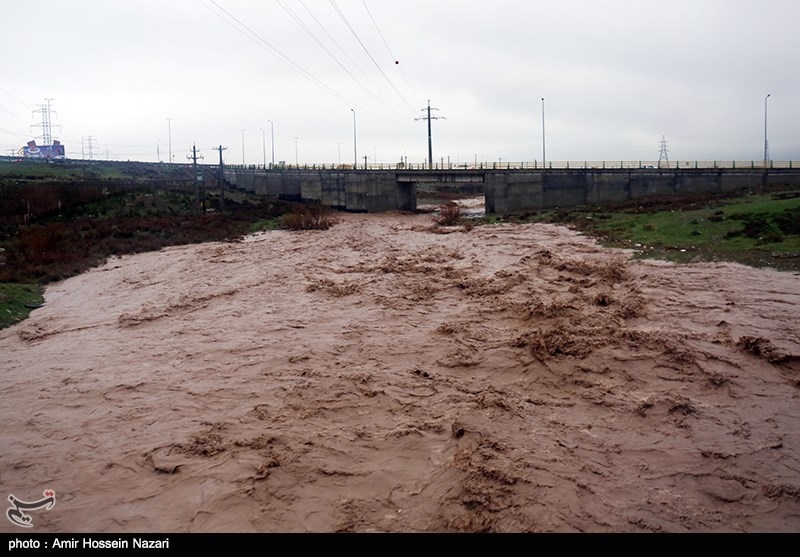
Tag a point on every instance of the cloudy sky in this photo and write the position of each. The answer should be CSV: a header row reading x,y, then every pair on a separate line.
x,y
144,79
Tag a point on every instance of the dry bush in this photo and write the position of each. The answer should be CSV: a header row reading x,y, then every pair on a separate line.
x,y
449,214
308,217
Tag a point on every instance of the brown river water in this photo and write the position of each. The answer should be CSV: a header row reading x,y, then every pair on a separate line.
x,y
390,375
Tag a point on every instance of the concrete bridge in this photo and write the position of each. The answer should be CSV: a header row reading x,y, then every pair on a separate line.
x,y
505,191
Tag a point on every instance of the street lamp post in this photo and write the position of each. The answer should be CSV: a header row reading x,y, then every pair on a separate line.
x,y
543,136
766,148
243,130
169,131
355,150
272,131
264,145
296,163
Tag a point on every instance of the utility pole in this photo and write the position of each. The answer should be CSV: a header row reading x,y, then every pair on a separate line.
x,y
430,144
201,201
766,147
169,139
272,133
221,179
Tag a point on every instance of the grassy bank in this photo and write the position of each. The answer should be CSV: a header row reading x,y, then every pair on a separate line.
x,y
761,229
17,301
71,170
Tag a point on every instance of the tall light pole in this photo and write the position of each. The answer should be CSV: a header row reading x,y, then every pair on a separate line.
x,y
766,148
272,130
543,136
264,145
296,163
243,130
169,131
355,150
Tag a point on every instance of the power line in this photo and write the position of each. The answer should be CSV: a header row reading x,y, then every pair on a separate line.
x,y
388,49
237,24
316,39
261,42
344,19
343,51
378,30
16,100
252,35
13,97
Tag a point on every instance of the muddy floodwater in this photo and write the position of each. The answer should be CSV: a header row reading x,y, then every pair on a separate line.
x,y
391,375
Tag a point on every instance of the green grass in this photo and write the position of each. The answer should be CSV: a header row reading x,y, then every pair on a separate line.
x,y
761,230
14,302
264,224
76,170
713,228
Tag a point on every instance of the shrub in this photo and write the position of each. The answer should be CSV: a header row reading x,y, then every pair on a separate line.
x,y
307,217
449,214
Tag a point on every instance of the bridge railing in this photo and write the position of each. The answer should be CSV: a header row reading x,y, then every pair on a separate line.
x,y
523,165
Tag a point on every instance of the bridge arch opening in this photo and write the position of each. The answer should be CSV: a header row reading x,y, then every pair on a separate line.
x,y
470,200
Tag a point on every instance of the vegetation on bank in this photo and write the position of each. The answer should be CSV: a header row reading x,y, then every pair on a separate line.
x,y
758,228
71,170
42,248
17,301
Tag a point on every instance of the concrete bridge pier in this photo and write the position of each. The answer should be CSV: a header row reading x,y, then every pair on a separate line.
x,y
505,192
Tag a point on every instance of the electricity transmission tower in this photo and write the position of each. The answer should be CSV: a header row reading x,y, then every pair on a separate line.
x,y
430,144
86,145
662,154
46,125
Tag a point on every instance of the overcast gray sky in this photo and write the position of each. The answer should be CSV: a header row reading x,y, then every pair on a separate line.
x,y
616,76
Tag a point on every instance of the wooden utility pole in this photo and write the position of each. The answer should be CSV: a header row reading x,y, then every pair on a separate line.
x,y
199,188
221,179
